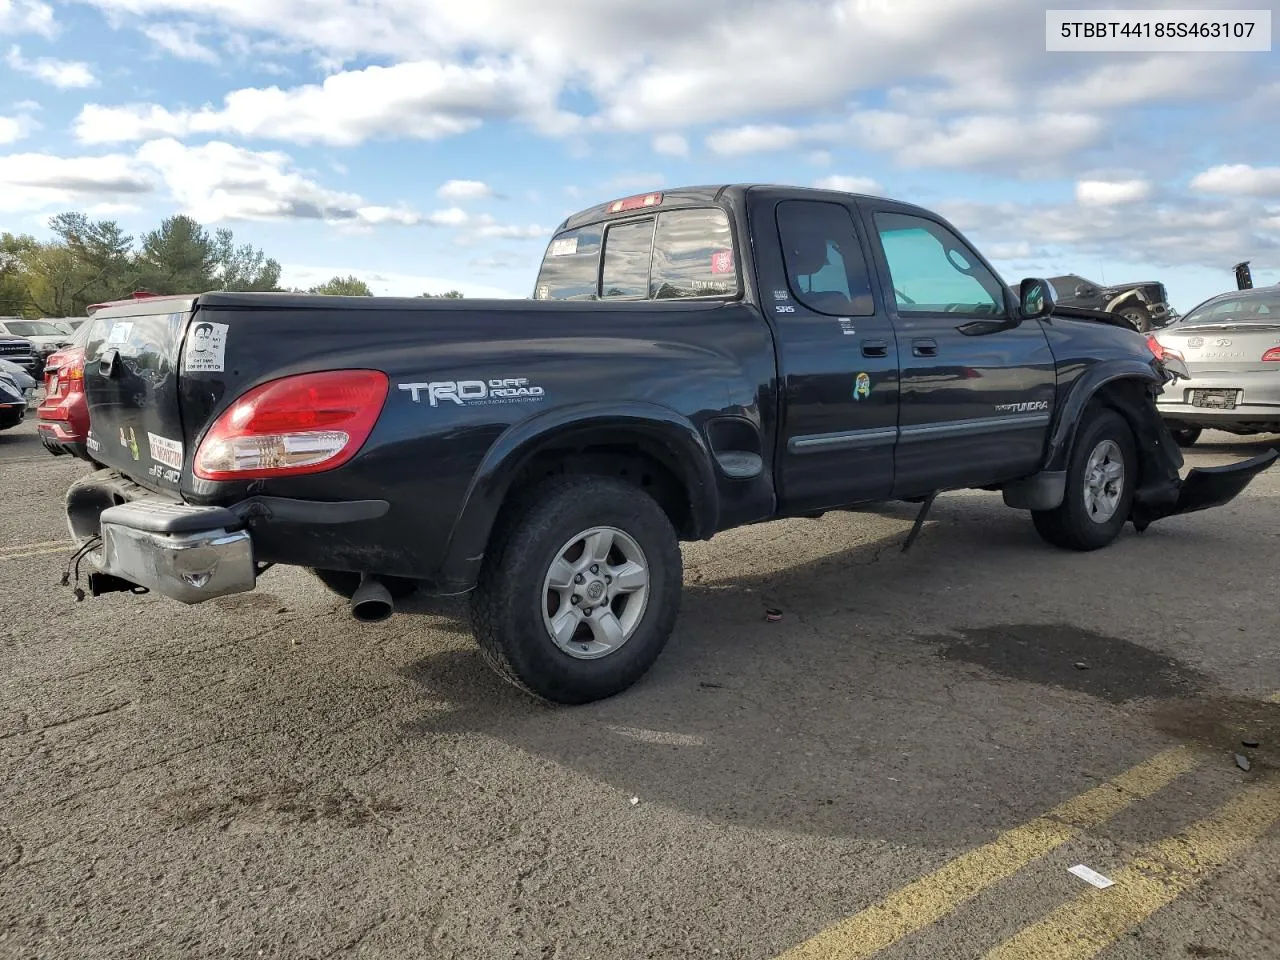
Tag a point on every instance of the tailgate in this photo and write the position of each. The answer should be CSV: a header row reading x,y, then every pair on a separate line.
x,y
131,385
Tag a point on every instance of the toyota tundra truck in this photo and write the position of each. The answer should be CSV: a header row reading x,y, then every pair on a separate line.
x,y
691,361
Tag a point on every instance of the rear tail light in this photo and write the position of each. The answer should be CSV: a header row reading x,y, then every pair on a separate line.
x,y
1272,355
297,425
1160,351
635,203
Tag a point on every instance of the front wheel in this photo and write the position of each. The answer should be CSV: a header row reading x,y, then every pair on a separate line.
x,y
579,592
1138,316
1101,476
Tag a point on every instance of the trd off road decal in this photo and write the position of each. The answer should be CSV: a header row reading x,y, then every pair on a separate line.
x,y
469,393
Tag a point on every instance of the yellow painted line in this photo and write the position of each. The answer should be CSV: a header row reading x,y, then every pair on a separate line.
x,y
937,894
65,548
1157,875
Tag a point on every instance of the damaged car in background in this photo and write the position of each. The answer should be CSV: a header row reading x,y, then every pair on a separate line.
x,y
1144,304
1230,347
692,361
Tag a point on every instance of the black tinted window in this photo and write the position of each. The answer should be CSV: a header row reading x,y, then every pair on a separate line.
x,y
1251,308
627,248
569,268
693,255
825,266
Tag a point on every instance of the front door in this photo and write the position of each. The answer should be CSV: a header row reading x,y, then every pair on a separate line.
x,y
978,384
837,355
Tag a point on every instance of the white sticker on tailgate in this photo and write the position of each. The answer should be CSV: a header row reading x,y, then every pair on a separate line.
x,y
206,347
166,451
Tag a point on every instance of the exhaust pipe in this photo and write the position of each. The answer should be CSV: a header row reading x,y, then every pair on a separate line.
x,y
371,602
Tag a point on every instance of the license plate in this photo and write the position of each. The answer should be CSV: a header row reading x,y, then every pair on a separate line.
x,y
1217,399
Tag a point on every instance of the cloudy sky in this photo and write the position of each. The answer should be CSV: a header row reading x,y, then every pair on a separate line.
x,y
428,144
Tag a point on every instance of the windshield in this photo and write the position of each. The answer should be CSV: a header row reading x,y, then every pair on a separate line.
x,y
34,328
1246,308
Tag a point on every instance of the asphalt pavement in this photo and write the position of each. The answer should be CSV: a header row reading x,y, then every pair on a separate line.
x,y
905,765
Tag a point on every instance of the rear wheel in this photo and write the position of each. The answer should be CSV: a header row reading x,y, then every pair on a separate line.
x,y
1186,436
1101,476
579,591
344,583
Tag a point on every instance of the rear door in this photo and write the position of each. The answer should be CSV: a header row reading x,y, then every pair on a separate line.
x,y
978,385
837,355
131,385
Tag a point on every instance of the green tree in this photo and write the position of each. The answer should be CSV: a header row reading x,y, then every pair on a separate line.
x,y
178,257
447,295
243,267
102,259
351,286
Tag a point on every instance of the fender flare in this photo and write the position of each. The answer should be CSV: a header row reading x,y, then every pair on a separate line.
x,y
688,457
1086,387
1121,300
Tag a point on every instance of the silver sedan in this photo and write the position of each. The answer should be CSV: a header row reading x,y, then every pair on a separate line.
x,y
1231,347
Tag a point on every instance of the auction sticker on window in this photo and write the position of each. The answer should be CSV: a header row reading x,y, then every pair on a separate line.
x,y
166,451
206,347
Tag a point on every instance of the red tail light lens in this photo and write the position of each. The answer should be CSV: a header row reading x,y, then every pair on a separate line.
x,y
1160,351
303,424
635,203
1272,355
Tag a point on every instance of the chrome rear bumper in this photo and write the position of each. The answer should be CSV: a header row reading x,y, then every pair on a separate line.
x,y
183,552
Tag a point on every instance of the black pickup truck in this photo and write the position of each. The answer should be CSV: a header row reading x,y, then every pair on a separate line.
x,y
691,361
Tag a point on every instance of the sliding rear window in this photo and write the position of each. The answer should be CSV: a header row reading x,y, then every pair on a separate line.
x,y
676,255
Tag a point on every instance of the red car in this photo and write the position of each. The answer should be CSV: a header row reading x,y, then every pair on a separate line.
x,y
62,419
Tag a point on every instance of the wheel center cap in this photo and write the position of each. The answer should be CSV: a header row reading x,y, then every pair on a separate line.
x,y
595,590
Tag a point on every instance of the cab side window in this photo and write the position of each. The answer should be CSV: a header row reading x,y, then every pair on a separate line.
x,y
826,269
934,271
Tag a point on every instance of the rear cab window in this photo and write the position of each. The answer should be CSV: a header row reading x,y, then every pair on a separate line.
x,y
675,254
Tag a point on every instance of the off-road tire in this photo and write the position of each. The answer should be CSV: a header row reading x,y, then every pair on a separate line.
x,y
1186,436
345,582
1139,316
1069,525
508,603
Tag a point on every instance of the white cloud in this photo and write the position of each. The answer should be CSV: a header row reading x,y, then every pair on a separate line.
x,y
975,141
820,158
219,181
180,40
847,184
1106,193
453,217
1167,233
424,99
27,16
464,190
63,74
1239,179
13,129
1150,80
36,181
671,145
753,138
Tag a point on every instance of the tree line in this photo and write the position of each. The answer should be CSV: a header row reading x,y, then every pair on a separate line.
x,y
93,261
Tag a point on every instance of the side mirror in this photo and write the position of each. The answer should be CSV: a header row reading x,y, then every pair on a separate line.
x,y
1035,299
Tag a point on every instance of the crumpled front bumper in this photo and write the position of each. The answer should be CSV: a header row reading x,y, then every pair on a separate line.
x,y
187,553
